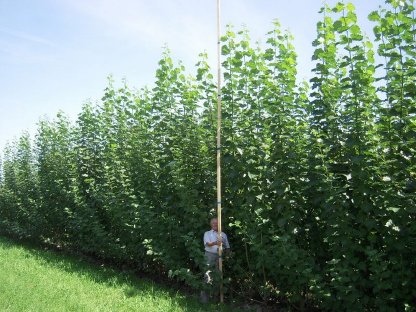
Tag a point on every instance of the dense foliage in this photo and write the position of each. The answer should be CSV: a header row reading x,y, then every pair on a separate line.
x,y
319,181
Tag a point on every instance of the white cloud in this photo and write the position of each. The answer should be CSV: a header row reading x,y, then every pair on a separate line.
x,y
27,37
20,47
153,23
186,27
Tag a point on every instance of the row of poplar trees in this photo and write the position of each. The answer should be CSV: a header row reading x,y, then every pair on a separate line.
x,y
319,179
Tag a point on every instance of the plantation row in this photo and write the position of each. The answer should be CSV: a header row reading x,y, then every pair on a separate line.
x,y
319,181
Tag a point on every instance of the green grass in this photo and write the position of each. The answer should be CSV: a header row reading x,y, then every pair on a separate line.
x,y
32,279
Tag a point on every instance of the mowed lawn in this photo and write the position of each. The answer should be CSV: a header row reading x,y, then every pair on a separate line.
x,y
32,279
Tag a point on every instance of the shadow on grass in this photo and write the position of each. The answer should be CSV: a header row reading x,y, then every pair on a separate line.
x,y
131,284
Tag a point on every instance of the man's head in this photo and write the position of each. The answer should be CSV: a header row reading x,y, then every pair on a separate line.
x,y
214,224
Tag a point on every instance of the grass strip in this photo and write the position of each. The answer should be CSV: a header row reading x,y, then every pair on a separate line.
x,y
32,279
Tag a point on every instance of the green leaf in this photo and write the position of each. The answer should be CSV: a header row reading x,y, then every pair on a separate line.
x,y
394,209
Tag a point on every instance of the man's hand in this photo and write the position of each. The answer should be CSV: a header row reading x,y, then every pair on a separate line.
x,y
218,243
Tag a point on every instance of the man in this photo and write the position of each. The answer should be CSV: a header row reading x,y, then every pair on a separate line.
x,y
212,241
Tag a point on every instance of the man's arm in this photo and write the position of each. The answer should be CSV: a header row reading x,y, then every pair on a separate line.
x,y
207,241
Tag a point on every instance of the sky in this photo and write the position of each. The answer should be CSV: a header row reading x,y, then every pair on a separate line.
x,y
56,55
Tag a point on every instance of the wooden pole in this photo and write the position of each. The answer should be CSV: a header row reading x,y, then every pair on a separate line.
x,y
219,150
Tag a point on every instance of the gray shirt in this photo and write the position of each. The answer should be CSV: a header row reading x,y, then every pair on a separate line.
x,y
212,236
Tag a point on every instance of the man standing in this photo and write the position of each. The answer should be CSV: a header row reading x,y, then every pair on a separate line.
x,y
212,241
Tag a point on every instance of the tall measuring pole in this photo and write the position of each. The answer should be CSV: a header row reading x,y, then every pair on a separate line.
x,y
219,148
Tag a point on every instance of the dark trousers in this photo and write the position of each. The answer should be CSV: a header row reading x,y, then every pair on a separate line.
x,y
211,277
